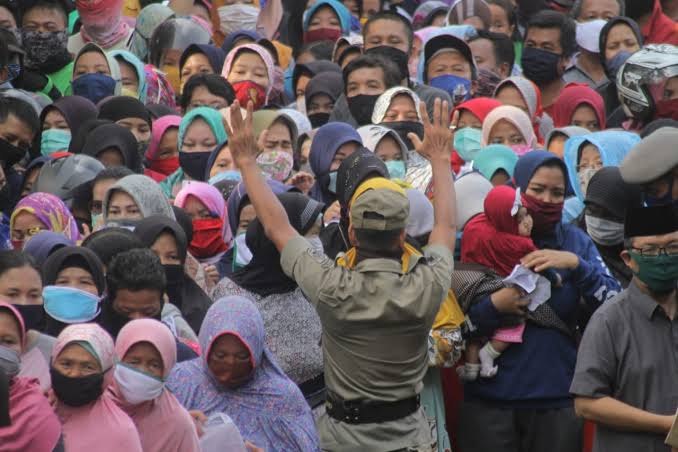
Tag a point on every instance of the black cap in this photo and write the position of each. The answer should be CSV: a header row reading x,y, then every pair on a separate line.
x,y
608,190
649,221
448,42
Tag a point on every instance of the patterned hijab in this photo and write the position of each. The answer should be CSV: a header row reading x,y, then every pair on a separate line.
x,y
51,211
384,102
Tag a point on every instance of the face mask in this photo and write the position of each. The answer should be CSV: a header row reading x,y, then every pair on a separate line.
x,y
400,58
487,83
237,17
241,252
588,34
404,128
660,273
458,88
319,119
247,91
208,239
45,50
10,361
540,66
666,109
467,143
604,232
332,186
585,177
520,149
10,154
396,169
225,175
94,87
174,274
54,140
173,77
33,315
165,166
361,107
613,65
322,34
70,305
97,219
76,391
276,165
194,163
545,215
137,386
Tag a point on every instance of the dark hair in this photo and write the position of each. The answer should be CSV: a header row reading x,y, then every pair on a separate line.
x,y
50,5
504,52
22,110
395,17
386,241
321,50
511,15
215,84
4,50
555,19
576,8
11,259
113,172
391,74
135,270
108,243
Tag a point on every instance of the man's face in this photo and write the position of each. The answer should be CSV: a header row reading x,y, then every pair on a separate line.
x,y
385,32
44,20
661,188
145,303
598,9
483,54
16,132
7,20
368,81
544,38
449,63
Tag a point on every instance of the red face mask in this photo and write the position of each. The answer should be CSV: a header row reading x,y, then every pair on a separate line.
x,y
322,34
667,109
248,90
165,166
545,215
17,244
208,239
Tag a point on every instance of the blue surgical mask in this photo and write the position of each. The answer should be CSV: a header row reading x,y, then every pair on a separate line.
x,y
467,143
54,140
458,88
332,187
96,218
615,63
241,253
70,305
94,87
225,175
396,169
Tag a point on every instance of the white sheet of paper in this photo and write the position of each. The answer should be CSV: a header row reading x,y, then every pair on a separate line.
x,y
537,287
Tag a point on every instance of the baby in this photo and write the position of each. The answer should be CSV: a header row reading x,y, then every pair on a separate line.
x,y
497,239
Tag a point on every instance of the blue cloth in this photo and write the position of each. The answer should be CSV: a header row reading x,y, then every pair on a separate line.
x,y
215,55
5,240
572,209
529,163
538,372
138,65
230,40
612,145
341,11
40,246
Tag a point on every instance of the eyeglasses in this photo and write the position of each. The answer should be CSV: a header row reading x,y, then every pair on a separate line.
x,y
670,250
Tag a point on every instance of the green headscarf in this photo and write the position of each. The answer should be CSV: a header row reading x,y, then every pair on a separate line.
x,y
211,116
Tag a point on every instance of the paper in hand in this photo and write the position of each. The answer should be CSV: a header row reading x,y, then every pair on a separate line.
x,y
537,287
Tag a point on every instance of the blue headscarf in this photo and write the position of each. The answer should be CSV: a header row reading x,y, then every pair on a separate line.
x,y
215,55
529,163
43,244
130,58
211,116
495,157
342,13
230,40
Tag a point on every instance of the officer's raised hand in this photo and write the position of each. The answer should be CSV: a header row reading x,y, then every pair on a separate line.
x,y
437,142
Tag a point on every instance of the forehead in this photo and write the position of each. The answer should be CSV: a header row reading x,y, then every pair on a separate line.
x,y
448,57
402,101
650,240
247,58
543,35
600,5
386,27
620,30
366,73
549,175
482,45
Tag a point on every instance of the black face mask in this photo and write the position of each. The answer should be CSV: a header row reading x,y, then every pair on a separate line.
x,y
175,283
76,391
194,164
361,107
540,66
319,119
392,54
10,155
33,315
403,128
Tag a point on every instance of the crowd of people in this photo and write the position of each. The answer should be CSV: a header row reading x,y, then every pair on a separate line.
x,y
338,225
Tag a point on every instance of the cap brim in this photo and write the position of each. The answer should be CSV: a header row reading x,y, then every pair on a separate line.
x,y
447,42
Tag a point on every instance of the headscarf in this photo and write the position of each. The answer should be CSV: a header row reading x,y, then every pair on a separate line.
x,y
384,102
102,22
109,242
113,65
605,32
259,50
480,107
299,119
420,221
517,117
531,94
160,127
233,38
339,9
373,134
491,239
569,132
138,65
659,29
100,425
108,136
269,410
572,97
206,194
424,13
239,199
470,190
75,110
328,83
28,408
74,256
215,55
327,141
494,157
121,107
464,9
612,145
211,116
159,89
178,432
51,211
147,21
43,244
147,195
313,68
263,119
263,275
78,140
529,163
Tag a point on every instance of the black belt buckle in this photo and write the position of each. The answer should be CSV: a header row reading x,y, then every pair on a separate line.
x,y
351,413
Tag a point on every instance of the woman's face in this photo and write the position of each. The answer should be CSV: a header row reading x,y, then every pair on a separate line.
x,y
74,361
145,357
111,157
21,285
199,137
320,103
128,76
202,97
402,108
305,151
468,119
509,95
196,209
224,162
165,246
55,120
230,361
500,177
585,116
91,63
249,66
123,207
278,138
670,89
342,154
77,278
324,17
590,158
10,334
503,132
547,185
620,38
168,148
247,215
500,22
139,128
198,63
25,226
388,149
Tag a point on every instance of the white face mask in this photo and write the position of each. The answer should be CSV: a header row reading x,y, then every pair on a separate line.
x,y
243,255
237,17
585,177
136,386
588,34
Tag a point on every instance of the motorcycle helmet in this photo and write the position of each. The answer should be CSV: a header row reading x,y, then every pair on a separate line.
x,y
175,34
61,177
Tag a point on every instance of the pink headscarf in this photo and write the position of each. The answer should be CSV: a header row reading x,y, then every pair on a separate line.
x,y
160,126
206,194
101,425
28,408
572,97
259,50
515,116
102,21
178,432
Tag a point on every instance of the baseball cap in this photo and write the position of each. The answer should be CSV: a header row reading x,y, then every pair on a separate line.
x,y
446,41
379,205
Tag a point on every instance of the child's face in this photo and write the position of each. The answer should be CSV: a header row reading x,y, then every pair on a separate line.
x,y
524,222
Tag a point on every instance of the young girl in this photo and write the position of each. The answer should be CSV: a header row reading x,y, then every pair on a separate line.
x,y
497,239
